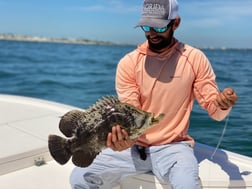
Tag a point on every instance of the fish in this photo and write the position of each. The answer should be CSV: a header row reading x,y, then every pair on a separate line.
x,y
86,131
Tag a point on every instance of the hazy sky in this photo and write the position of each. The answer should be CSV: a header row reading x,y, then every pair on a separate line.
x,y
205,23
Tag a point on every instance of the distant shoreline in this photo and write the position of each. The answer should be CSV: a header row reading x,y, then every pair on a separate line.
x,y
26,38
14,37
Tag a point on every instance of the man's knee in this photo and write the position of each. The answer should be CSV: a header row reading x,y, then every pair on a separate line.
x,y
83,179
78,179
185,183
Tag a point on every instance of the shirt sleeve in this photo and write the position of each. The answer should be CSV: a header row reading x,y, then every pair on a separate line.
x,y
126,86
205,87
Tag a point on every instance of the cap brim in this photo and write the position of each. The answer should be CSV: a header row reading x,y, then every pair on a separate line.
x,y
152,22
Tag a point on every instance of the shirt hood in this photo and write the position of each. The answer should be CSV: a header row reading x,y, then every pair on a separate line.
x,y
144,49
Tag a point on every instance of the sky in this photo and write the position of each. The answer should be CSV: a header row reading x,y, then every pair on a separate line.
x,y
204,23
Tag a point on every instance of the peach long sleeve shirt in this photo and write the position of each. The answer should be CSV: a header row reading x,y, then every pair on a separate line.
x,y
168,83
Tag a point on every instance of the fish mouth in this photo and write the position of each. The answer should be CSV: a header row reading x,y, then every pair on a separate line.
x,y
155,120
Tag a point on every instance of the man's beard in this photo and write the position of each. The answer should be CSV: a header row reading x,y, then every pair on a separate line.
x,y
164,42
159,46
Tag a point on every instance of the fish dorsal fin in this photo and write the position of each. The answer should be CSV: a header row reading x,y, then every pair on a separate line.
x,y
69,122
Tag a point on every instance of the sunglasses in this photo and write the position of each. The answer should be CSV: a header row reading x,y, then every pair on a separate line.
x,y
158,30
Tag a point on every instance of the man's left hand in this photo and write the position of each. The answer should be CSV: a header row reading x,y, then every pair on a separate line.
x,y
226,99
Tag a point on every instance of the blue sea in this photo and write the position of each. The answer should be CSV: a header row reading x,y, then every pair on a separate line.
x,y
78,75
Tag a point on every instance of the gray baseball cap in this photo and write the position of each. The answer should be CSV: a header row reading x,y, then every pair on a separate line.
x,y
158,13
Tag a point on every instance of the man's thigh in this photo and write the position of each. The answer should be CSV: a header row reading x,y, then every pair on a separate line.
x,y
175,163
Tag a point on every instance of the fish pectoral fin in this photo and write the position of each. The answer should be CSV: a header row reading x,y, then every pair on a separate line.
x,y
83,158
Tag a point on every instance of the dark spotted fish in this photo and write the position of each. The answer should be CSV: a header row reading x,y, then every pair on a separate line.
x,y
87,131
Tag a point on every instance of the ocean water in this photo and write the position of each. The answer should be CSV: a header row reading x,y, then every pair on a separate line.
x,y
80,74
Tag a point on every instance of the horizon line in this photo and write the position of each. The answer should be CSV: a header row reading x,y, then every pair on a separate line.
x,y
71,40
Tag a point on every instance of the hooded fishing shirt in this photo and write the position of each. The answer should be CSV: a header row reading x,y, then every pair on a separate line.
x,y
168,83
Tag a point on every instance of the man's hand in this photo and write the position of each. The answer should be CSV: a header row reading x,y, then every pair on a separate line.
x,y
118,139
226,99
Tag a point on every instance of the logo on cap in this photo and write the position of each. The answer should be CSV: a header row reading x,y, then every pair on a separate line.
x,y
153,9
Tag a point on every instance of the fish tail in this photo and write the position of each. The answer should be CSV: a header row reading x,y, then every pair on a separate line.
x,y
59,149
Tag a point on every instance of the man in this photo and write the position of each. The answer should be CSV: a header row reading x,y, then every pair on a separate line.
x,y
162,75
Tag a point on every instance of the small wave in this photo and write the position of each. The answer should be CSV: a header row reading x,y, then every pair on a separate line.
x,y
6,75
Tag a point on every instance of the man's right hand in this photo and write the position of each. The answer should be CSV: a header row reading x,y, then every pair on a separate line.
x,y
118,139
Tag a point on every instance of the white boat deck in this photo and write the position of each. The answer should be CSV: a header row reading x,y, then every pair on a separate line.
x,y
25,162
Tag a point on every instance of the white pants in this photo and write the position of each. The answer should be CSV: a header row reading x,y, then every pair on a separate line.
x,y
174,163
